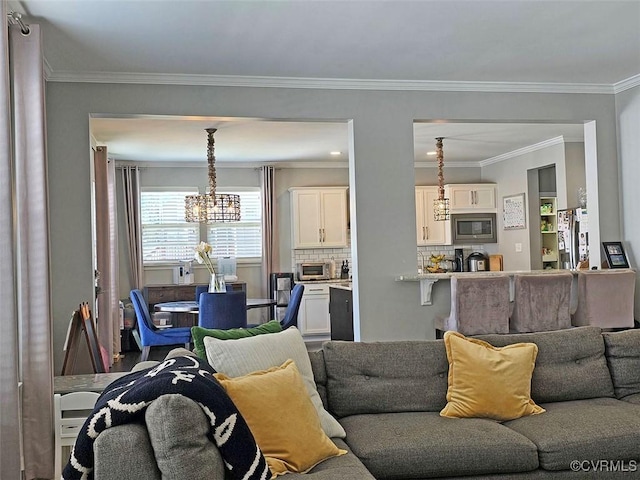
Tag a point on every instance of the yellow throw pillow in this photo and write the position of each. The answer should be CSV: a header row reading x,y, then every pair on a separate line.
x,y
489,382
284,422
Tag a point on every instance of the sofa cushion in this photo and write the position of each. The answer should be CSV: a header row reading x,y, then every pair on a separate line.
x,y
245,355
178,431
570,365
593,429
344,467
383,377
489,382
319,374
623,358
417,445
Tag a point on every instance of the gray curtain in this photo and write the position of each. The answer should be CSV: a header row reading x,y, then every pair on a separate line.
x,y
107,311
131,197
9,414
269,256
26,337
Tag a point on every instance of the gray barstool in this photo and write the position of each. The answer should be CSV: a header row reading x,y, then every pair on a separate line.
x,y
541,302
605,299
479,305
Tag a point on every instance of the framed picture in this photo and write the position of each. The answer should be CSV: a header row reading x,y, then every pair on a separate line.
x,y
616,256
513,212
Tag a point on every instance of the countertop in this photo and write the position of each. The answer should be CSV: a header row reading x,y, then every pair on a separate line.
x,y
344,283
416,277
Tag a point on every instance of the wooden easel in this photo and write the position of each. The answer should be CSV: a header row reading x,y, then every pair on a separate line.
x,y
82,322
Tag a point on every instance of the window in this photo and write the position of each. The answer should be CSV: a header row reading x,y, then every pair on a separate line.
x,y
166,237
241,239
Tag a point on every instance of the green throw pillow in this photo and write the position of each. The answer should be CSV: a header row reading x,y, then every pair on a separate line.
x,y
198,334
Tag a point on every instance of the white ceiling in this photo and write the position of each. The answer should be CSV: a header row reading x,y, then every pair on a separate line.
x,y
499,45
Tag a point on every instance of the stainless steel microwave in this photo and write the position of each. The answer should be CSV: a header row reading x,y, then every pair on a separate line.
x,y
473,228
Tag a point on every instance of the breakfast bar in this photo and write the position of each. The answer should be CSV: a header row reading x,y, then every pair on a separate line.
x,y
427,280
536,300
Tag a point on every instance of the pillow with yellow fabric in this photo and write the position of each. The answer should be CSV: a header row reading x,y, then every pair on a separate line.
x,y
276,406
487,381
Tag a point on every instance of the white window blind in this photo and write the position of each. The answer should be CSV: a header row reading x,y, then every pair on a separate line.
x,y
166,237
241,239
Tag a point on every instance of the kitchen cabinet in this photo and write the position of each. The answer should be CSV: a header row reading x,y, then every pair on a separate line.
x,y
313,316
430,231
549,232
341,313
477,197
319,217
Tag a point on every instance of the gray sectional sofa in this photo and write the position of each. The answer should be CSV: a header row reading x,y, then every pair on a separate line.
x,y
388,396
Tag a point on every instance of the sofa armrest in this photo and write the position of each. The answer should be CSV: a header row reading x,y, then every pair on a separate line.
x,y
125,452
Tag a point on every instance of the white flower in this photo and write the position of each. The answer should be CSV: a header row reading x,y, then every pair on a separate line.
x,y
202,256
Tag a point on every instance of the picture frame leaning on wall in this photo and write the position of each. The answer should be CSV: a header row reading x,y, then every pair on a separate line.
x,y
616,256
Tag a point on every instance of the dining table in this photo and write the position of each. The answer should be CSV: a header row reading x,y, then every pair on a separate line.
x,y
191,306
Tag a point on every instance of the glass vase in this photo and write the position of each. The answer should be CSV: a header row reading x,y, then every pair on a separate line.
x,y
217,283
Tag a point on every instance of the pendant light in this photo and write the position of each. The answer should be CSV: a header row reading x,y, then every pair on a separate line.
x,y
212,207
440,205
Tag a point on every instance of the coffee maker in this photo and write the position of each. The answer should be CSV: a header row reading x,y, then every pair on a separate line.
x,y
458,260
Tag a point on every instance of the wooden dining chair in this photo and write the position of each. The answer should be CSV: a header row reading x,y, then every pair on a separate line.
x,y
222,310
70,413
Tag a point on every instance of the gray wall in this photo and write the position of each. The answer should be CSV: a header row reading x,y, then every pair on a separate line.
x,y
628,110
511,177
381,174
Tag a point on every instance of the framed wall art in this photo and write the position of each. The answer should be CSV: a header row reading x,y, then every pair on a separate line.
x,y
616,256
514,212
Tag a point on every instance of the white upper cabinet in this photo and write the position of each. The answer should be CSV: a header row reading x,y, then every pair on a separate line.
x,y
430,231
319,217
472,197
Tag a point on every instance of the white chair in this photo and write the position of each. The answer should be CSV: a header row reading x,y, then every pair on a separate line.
x,y
70,413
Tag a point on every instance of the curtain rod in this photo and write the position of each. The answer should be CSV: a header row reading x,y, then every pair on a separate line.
x,y
15,18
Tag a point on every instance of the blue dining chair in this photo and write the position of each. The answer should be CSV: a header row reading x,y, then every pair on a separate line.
x,y
222,310
291,314
152,336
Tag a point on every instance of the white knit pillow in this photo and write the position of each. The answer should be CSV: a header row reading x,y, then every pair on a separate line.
x,y
242,356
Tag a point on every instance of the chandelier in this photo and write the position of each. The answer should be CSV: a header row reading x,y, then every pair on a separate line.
x,y
440,205
212,207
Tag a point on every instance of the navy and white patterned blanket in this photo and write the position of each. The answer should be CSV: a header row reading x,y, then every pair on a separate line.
x,y
126,399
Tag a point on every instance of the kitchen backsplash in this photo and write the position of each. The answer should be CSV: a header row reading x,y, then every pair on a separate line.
x,y
341,254
447,250
321,255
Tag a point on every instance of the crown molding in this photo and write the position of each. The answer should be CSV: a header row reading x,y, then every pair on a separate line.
x,y
522,151
326,83
223,165
626,84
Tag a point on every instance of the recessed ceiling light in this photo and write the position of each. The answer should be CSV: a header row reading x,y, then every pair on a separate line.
x,y
335,152
431,153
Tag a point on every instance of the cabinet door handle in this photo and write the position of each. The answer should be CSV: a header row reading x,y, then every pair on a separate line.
x,y
423,233
324,237
320,235
427,230
473,197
